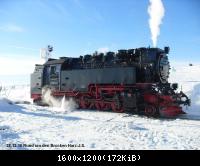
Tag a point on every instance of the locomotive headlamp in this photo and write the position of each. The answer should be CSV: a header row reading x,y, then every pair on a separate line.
x,y
166,49
49,48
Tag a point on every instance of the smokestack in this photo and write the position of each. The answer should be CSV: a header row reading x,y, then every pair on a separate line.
x,y
156,12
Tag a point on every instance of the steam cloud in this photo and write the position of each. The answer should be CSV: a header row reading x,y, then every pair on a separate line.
x,y
63,105
156,12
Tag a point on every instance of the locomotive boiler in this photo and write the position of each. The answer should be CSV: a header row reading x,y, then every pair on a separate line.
x,y
134,80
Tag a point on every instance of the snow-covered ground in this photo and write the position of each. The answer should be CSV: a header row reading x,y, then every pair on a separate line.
x,y
188,78
35,127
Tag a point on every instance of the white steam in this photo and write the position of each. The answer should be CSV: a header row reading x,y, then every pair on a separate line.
x,y
68,105
156,12
63,104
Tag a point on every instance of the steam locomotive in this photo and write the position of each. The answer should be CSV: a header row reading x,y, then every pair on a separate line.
x,y
134,80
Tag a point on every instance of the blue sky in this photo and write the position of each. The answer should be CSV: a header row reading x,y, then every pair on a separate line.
x,y
76,27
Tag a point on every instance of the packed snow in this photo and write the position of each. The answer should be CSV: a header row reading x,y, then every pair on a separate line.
x,y
27,126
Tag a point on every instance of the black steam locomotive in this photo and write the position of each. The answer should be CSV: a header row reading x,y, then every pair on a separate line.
x,y
134,80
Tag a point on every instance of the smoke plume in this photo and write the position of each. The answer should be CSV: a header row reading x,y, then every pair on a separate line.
x,y
156,12
62,105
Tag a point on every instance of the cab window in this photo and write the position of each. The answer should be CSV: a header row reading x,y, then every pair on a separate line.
x,y
53,70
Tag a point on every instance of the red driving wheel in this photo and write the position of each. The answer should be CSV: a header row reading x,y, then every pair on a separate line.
x,y
150,110
115,108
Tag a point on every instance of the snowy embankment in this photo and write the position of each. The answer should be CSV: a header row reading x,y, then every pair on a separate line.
x,y
35,127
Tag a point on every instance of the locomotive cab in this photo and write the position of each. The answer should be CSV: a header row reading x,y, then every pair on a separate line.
x,y
37,82
52,76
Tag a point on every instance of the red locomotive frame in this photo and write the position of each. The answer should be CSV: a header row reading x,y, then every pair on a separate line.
x,y
153,103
